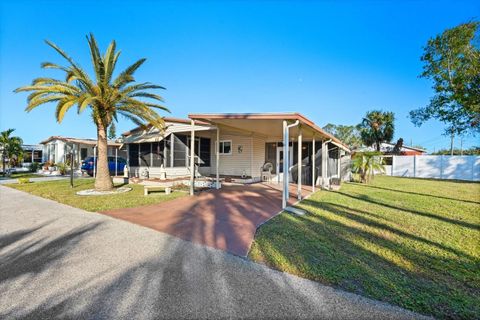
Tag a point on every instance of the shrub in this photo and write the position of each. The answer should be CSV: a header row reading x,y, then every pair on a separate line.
x,y
62,167
23,180
34,167
366,163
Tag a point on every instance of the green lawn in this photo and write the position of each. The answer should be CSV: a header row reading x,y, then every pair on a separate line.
x,y
410,242
61,191
21,175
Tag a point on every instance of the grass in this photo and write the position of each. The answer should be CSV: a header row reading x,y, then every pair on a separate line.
x,y
410,242
21,175
61,191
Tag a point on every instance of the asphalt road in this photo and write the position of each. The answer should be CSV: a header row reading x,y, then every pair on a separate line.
x,y
60,262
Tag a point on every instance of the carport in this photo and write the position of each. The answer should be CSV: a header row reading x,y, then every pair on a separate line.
x,y
284,127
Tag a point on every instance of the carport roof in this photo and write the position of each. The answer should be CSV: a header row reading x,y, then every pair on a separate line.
x,y
268,124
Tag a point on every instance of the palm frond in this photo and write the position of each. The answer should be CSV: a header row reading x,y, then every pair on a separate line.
x,y
46,99
63,106
127,75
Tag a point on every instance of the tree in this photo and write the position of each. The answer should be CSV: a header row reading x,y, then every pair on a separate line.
x,y
105,96
366,164
377,127
397,149
11,147
112,131
452,61
350,135
473,151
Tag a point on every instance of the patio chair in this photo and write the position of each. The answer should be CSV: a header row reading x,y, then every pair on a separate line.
x,y
266,173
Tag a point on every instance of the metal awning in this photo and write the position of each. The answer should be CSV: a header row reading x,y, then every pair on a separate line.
x,y
154,135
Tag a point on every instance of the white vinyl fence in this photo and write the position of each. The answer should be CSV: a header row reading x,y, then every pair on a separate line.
x,y
436,167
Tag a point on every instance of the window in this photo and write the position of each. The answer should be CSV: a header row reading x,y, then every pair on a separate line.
x,y
145,158
133,154
180,151
83,153
157,149
204,152
225,147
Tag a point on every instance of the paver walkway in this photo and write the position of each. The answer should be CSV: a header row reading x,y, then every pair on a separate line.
x,y
225,219
65,263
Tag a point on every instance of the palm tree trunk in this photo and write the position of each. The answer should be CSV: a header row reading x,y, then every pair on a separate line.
x,y
103,181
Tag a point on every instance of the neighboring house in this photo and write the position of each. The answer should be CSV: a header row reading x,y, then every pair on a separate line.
x,y
56,149
387,149
245,143
32,153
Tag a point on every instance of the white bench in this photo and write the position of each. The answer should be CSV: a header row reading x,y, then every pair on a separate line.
x,y
149,188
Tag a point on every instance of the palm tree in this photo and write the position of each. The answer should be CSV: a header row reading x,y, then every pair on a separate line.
x,y
11,146
105,96
377,127
366,164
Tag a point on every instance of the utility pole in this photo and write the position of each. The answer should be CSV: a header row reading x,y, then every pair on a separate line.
x,y
461,146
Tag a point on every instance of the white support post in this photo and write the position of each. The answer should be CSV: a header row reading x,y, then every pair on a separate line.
x,y
151,154
128,158
286,161
217,159
172,148
116,160
313,164
414,166
338,163
324,164
285,194
299,163
192,158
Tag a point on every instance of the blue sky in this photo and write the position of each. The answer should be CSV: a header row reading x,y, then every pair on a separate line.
x,y
329,61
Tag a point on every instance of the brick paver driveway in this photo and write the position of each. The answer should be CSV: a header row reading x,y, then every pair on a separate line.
x,y
225,219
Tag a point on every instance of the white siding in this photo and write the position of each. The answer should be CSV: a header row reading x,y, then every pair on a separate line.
x,y
248,162
258,158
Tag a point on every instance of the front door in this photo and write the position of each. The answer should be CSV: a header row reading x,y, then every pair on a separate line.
x,y
280,151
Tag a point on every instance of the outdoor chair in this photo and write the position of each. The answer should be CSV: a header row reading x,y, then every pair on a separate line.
x,y
267,169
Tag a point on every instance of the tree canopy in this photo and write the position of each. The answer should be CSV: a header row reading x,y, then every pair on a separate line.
x,y
376,127
106,95
11,146
452,62
350,135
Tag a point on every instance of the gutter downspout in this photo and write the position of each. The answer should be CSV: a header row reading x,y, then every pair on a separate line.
x,y
286,161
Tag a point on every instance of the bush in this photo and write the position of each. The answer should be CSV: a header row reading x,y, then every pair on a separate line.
x,y
62,167
23,180
34,166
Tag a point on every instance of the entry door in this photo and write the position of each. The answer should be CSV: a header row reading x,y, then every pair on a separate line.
x,y
280,151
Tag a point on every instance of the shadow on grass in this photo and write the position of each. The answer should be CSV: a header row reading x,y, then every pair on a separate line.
x,y
415,193
346,212
354,258
420,213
